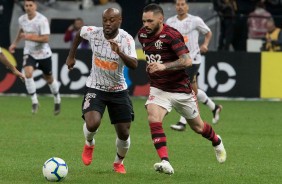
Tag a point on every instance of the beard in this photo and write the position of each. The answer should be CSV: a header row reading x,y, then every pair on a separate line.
x,y
154,30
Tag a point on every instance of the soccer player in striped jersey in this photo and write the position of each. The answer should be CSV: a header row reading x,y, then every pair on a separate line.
x,y
34,30
168,57
190,27
112,49
7,63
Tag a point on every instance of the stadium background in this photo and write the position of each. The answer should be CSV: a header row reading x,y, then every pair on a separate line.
x,y
228,74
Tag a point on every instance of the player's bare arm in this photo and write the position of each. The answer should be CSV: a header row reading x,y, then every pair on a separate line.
x,y
183,62
16,41
70,62
204,46
4,60
35,38
130,62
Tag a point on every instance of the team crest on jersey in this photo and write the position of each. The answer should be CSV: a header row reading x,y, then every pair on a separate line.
x,y
163,36
86,104
89,29
151,98
90,95
142,35
158,44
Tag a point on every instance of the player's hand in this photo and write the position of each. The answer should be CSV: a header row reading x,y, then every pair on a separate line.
x,y
71,27
12,48
154,67
204,48
19,74
114,46
70,62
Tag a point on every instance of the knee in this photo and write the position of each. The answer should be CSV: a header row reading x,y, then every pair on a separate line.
x,y
123,132
123,136
198,129
49,79
91,124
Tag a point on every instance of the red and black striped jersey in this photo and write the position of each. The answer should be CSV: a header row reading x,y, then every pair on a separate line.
x,y
165,47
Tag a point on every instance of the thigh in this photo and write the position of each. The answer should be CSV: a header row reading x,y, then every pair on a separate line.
x,y
46,66
29,64
120,107
93,101
186,104
160,98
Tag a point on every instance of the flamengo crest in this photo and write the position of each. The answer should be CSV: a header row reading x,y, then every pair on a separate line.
x,y
158,44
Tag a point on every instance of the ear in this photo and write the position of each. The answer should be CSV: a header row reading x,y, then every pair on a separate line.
x,y
161,19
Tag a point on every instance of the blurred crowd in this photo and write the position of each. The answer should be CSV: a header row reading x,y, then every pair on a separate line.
x,y
242,20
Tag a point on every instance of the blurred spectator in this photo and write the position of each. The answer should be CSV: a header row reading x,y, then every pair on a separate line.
x,y
226,10
257,21
273,37
71,32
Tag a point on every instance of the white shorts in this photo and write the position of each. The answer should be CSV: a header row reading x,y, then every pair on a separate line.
x,y
185,104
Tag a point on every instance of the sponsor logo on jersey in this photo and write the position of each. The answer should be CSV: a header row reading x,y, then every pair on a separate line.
x,y
163,36
142,35
106,65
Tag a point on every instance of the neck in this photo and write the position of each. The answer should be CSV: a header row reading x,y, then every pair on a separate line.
x,y
31,16
111,36
183,16
160,30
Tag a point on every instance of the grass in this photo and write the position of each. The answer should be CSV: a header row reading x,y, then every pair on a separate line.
x,y
251,131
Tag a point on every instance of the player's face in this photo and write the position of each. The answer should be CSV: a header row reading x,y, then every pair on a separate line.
x,y
78,24
111,23
30,7
152,22
181,7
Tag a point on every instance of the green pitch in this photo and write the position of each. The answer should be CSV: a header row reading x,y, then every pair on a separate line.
x,y
251,132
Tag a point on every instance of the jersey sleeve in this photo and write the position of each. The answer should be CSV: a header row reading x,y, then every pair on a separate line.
x,y
44,27
86,32
168,21
201,26
129,47
178,45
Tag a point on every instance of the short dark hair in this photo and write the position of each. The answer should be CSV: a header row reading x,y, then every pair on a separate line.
x,y
155,8
185,1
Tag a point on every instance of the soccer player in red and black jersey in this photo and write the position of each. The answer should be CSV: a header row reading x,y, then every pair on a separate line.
x,y
168,57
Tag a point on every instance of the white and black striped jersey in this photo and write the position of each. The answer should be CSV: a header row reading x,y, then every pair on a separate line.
x,y
107,67
39,25
190,27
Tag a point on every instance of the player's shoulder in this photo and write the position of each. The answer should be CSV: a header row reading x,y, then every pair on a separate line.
x,y
171,32
92,29
40,16
194,17
23,18
124,33
171,19
142,31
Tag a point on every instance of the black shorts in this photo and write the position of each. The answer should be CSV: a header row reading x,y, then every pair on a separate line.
x,y
42,64
119,105
193,71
